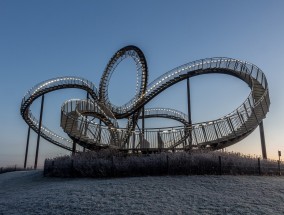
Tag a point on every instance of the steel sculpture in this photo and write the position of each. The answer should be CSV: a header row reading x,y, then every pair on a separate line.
x,y
212,135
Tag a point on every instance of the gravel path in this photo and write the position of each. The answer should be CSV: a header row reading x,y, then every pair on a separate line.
x,y
30,193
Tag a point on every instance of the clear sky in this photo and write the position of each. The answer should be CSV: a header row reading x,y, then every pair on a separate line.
x,y
45,39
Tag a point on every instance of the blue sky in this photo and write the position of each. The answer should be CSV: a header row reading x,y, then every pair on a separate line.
x,y
45,39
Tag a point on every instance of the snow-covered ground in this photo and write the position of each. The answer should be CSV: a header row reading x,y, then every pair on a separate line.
x,y
30,193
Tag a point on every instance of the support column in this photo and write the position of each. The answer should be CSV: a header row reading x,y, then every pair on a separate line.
x,y
100,131
39,130
133,139
84,149
262,139
74,148
189,110
27,147
143,125
143,119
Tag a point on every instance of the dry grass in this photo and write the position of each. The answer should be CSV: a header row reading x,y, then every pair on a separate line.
x,y
109,163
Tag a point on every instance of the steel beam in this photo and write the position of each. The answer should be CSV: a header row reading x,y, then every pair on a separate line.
x,y
262,139
39,130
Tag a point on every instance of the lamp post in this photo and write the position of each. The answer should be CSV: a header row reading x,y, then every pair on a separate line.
x,y
279,155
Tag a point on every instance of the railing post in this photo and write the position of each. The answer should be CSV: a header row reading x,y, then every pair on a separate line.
x,y
231,125
168,164
27,148
244,106
218,127
204,133
193,130
216,133
252,108
242,120
133,142
39,130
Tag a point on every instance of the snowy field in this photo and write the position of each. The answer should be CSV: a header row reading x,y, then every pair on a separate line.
x,y
30,193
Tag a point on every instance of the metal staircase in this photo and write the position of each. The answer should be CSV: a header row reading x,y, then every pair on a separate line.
x,y
213,135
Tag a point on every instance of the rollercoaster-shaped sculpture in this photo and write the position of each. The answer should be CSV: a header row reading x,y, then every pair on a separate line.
x,y
212,135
